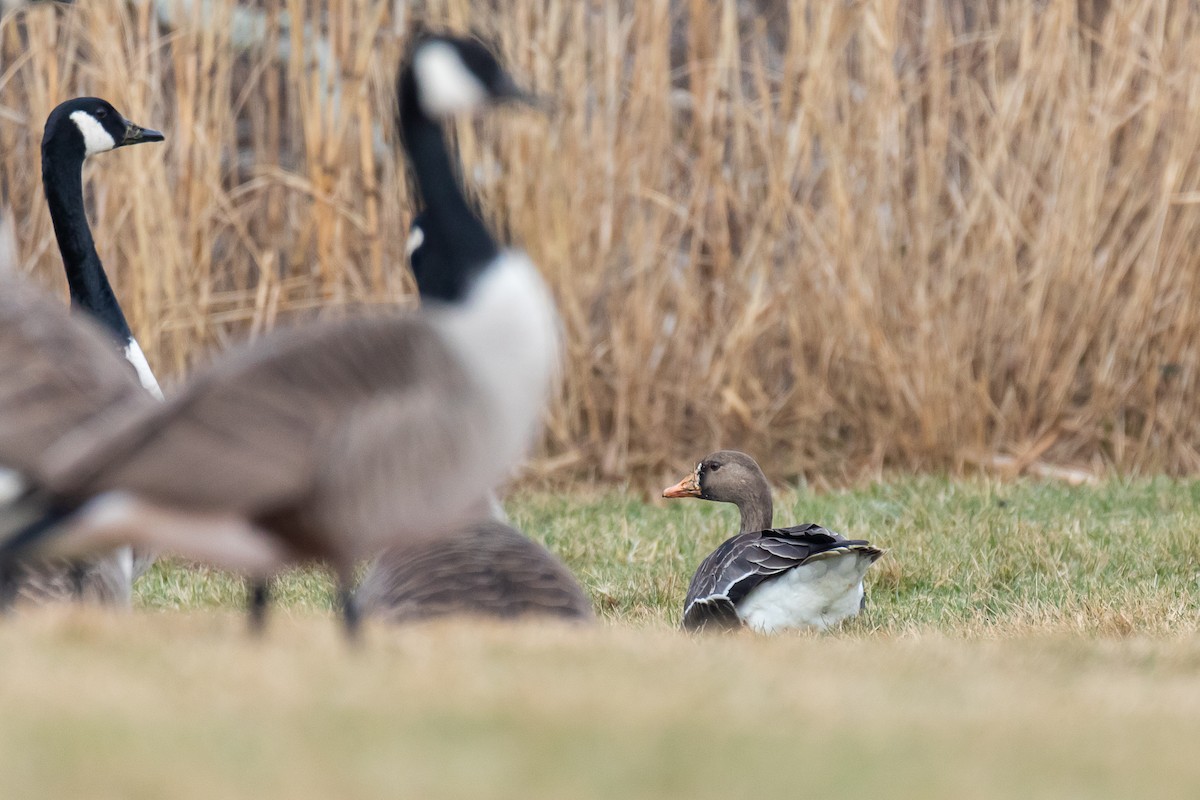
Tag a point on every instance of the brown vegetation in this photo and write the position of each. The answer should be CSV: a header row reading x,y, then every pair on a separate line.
x,y
840,235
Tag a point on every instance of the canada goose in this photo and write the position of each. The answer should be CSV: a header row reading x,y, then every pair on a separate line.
x,y
324,443
769,579
486,569
74,130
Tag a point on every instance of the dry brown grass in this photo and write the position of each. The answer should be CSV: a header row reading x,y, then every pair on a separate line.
x,y
185,706
877,233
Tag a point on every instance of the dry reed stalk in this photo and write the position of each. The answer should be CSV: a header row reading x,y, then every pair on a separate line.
x,y
893,233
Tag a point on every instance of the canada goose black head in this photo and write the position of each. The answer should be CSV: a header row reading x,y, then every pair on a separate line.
x,y
730,476
456,75
88,125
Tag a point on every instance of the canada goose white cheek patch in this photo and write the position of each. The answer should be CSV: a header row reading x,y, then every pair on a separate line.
x,y
445,84
95,138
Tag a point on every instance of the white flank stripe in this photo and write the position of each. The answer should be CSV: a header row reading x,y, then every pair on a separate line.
x,y
125,559
11,485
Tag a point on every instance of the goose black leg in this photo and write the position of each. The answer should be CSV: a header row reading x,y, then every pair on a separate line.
x,y
351,616
76,573
10,584
259,595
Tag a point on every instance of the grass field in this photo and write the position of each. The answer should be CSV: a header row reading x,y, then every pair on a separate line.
x,y
1021,640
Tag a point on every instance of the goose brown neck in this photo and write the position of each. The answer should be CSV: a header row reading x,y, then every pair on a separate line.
x,y
756,507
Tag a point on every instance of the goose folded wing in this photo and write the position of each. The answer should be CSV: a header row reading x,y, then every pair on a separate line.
x,y
252,432
743,562
708,602
58,371
487,568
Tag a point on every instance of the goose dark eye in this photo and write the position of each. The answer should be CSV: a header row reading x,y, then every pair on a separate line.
x,y
713,467
100,113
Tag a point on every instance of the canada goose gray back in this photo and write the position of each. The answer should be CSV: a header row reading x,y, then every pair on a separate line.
x,y
768,579
322,443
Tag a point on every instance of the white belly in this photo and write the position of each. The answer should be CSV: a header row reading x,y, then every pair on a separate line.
x,y
816,595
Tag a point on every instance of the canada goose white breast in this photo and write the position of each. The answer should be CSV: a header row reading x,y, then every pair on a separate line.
x,y
818,594
506,332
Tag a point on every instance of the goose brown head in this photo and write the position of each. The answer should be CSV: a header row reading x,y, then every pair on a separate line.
x,y
730,476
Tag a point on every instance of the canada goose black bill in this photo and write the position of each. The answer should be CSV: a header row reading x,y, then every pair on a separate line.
x,y
768,579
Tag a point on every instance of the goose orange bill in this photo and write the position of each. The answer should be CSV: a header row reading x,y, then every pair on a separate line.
x,y
688,487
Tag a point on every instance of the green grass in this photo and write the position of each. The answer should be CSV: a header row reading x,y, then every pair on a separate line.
x,y
963,558
1021,640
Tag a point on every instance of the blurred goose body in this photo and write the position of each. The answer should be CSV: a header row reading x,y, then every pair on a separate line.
x,y
325,443
768,579
486,569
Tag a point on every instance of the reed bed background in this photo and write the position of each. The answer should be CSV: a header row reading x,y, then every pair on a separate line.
x,y
843,236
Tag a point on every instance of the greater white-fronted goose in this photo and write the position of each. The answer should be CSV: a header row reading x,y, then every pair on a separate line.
x,y
768,579
75,130
323,443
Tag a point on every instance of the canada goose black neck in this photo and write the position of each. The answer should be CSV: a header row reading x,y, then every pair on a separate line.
x,y
62,179
468,247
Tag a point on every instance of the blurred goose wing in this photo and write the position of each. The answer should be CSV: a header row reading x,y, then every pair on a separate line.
x,y
58,371
487,569
327,413
743,562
